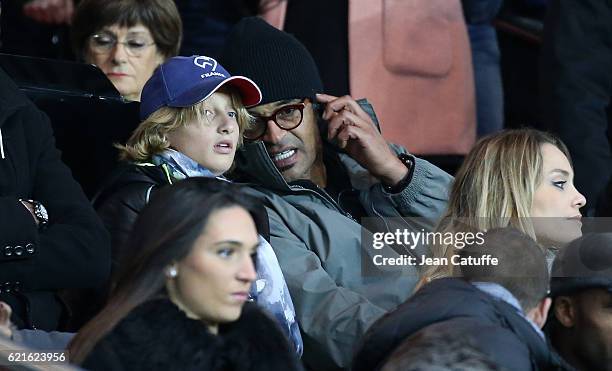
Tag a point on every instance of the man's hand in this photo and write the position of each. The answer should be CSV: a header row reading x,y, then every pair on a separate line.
x,y
354,131
50,11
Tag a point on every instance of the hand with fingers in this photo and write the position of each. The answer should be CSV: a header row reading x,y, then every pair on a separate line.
x,y
352,129
50,11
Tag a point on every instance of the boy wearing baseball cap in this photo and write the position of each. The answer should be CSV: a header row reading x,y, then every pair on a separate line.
x,y
193,114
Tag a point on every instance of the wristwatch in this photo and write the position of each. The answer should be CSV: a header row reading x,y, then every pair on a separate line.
x,y
40,212
408,161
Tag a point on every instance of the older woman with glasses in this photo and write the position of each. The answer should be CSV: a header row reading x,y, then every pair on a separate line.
x,y
127,39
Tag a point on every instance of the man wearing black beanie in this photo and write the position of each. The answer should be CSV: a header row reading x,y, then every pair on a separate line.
x,y
321,165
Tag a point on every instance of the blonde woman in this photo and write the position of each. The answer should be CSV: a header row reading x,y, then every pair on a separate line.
x,y
522,178
193,114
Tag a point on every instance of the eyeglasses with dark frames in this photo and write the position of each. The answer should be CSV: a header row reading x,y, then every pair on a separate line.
x,y
287,117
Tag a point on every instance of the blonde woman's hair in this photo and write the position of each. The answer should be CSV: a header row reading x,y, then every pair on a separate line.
x,y
150,137
494,188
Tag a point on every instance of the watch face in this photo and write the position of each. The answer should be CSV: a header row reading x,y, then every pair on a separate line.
x,y
41,212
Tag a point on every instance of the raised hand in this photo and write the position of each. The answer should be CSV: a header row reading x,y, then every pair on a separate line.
x,y
352,129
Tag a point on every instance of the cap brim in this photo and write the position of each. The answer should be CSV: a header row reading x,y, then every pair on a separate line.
x,y
249,91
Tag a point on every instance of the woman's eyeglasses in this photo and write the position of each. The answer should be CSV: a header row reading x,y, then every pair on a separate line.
x,y
104,43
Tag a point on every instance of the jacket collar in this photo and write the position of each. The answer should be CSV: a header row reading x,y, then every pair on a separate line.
x,y
253,161
501,293
182,166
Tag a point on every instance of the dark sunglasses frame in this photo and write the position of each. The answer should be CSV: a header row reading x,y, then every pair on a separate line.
x,y
265,119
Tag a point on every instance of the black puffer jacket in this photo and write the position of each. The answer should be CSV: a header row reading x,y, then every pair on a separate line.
x,y
122,197
127,192
158,336
73,252
493,326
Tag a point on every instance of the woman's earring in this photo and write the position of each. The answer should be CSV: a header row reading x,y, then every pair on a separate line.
x,y
171,272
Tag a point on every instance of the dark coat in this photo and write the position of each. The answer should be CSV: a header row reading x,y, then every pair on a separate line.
x,y
118,203
576,88
73,252
122,198
493,327
158,336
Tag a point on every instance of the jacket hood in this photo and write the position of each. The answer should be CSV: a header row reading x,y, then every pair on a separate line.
x,y
440,301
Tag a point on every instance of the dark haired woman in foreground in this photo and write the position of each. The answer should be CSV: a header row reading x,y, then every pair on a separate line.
x,y
179,298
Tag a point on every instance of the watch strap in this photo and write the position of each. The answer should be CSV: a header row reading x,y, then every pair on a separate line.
x,y
408,161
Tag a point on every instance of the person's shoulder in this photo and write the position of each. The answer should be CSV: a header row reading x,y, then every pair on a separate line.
x,y
262,192
462,300
130,182
501,343
19,113
10,96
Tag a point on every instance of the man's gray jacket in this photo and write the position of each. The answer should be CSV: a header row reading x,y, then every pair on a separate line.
x,y
318,245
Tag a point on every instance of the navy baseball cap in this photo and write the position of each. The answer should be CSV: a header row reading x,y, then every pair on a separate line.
x,y
185,81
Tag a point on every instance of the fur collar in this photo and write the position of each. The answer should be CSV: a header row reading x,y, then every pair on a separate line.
x,y
157,335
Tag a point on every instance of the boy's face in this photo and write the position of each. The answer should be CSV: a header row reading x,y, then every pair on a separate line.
x,y
211,143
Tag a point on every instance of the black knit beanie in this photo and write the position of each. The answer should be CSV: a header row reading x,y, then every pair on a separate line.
x,y
585,263
275,60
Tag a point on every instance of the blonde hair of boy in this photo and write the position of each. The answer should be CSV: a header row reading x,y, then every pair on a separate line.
x,y
150,137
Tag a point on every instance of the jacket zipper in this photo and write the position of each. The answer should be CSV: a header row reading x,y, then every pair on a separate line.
x,y
325,196
320,192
